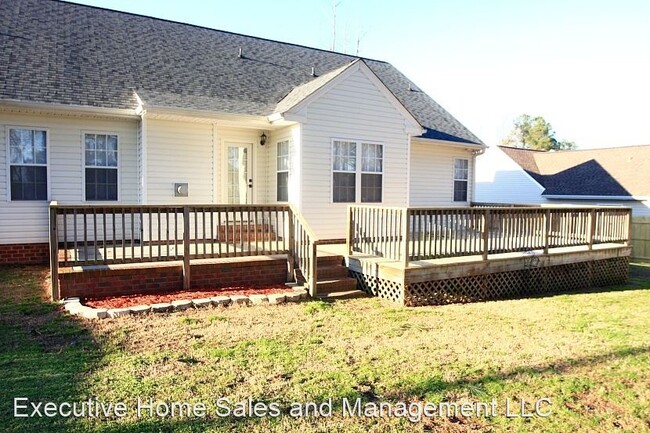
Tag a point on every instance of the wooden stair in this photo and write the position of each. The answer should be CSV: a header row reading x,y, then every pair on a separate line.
x,y
334,281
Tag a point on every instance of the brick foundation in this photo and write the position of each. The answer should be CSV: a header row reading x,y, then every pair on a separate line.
x,y
166,277
24,254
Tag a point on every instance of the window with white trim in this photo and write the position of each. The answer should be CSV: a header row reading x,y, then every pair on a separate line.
x,y
282,168
372,167
357,174
28,164
461,179
101,167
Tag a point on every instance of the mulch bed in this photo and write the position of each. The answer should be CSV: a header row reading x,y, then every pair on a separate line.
x,y
158,298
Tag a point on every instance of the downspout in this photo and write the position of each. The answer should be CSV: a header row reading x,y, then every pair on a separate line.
x,y
475,153
408,171
143,159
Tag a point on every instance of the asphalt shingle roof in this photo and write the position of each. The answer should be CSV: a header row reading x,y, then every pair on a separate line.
x,y
58,52
616,171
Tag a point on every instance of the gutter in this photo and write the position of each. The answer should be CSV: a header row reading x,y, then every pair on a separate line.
x,y
596,197
479,148
66,109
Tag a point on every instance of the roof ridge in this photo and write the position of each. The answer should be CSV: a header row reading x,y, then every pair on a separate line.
x,y
502,146
217,30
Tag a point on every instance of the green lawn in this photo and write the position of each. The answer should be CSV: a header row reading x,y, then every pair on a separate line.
x,y
588,352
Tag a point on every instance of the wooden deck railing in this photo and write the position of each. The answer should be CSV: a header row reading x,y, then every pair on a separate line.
x,y
407,234
303,245
113,234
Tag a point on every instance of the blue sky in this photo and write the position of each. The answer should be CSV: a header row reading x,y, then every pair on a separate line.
x,y
584,65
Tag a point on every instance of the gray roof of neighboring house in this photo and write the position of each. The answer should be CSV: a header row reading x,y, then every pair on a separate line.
x,y
615,171
58,52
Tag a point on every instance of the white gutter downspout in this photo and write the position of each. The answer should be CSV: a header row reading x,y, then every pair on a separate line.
x,y
475,153
408,171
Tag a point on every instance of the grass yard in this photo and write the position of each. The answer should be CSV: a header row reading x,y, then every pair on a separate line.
x,y
588,352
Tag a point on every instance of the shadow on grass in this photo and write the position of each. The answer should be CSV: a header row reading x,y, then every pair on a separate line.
x,y
47,355
42,350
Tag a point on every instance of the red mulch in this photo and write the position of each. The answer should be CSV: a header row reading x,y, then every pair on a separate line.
x,y
157,298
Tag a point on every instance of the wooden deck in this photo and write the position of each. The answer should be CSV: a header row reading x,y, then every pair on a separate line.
x,y
436,256
414,256
452,267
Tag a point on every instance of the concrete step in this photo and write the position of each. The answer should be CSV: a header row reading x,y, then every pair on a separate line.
x,y
336,285
332,272
349,294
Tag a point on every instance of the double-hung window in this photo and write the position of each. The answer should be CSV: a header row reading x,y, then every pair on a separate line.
x,y
461,177
357,171
28,164
282,168
101,167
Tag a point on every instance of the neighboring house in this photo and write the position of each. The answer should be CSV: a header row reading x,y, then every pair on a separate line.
x,y
105,107
611,177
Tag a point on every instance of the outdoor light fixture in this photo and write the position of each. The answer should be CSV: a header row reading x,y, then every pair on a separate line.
x,y
263,139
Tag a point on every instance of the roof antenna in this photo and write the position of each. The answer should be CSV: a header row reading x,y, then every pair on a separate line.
x,y
313,71
241,53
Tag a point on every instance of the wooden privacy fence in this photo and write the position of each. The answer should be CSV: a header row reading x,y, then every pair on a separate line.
x,y
641,238
406,234
104,235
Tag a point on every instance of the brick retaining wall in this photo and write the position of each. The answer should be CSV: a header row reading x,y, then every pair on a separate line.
x,y
166,277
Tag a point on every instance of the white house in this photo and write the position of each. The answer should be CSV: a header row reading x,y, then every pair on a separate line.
x,y
100,106
608,177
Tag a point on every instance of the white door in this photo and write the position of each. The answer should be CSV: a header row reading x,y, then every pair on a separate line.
x,y
239,179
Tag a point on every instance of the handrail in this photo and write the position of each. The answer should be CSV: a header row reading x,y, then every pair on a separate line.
x,y
304,249
422,233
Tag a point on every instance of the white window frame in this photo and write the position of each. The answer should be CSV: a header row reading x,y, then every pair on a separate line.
x,y
8,163
288,169
358,170
84,166
454,180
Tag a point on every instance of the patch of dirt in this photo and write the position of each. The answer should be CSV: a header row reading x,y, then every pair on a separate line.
x,y
157,298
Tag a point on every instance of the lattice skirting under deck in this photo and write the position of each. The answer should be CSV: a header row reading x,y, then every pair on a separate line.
x,y
501,285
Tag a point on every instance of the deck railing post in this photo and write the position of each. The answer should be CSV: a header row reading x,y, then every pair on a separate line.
x,y
54,251
292,248
484,233
406,237
592,228
186,248
313,271
547,229
350,234
629,227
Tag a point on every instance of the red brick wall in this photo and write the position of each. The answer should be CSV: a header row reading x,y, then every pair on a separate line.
x,y
169,277
24,254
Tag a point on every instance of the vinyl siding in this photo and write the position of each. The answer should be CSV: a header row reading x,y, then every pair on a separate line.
x,y
499,179
27,222
179,152
432,174
293,135
353,108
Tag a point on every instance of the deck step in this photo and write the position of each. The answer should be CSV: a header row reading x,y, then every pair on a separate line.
x,y
336,285
332,272
349,294
329,260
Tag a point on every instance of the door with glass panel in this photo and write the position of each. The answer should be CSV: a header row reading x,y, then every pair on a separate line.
x,y
239,180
